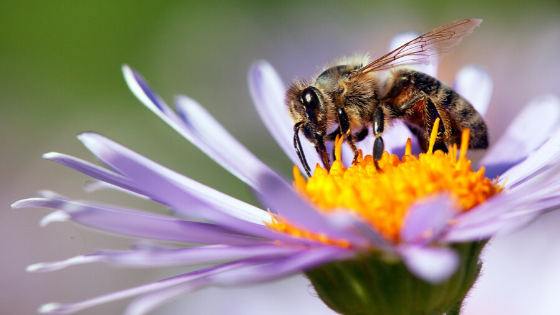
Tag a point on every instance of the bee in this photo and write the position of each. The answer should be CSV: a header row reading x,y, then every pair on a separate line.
x,y
349,98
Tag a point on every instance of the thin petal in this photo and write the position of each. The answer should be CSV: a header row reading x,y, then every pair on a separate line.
x,y
173,188
267,271
427,219
403,38
97,185
172,257
529,130
279,197
57,265
59,308
231,160
346,220
475,84
430,263
268,94
223,207
480,227
148,302
134,223
547,157
213,139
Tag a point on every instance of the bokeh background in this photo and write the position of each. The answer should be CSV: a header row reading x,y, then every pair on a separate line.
x,y
60,75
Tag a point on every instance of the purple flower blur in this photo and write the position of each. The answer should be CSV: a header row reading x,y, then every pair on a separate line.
x,y
227,229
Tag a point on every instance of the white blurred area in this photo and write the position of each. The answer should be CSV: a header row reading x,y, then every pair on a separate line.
x,y
520,275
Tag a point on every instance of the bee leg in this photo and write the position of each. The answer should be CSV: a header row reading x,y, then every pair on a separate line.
x,y
322,151
401,110
361,135
299,149
378,128
344,123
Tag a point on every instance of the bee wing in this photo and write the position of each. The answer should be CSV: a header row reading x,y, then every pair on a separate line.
x,y
427,49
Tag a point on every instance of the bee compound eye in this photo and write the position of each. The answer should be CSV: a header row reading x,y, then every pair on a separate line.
x,y
310,98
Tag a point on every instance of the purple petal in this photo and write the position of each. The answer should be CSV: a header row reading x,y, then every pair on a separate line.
x,y
173,257
395,139
281,198
93,171
427,219
403,38
346,220
541,161
432,264
475,84
222,209
530,129
233,158
268,94
212,138
481,225
267,271
485,230
93,186
59,308
169,186
136,223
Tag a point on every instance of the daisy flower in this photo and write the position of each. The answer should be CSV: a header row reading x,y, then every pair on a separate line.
x,y
403,241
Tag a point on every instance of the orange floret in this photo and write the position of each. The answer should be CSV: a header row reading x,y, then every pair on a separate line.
x,y
383,198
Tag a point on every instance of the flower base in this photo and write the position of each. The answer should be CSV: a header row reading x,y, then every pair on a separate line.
x,y
375,285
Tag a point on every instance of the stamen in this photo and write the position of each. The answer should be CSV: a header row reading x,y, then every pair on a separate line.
x,y
433,136
465,142
408,148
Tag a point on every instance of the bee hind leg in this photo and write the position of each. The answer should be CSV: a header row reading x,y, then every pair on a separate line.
x,y
401,110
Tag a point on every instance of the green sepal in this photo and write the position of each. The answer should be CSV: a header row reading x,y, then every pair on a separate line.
x,y
373,284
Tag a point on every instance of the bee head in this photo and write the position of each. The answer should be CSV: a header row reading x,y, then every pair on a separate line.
x,y
307,106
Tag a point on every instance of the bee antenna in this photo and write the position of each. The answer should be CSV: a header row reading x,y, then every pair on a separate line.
x,y
299,149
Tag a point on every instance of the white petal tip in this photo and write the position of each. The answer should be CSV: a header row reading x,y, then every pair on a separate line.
x,y
57,216
51,308
35,267
51,155
185,101
18,204
26,203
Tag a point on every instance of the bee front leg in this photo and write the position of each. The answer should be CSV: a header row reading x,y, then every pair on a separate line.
x,y
344,123
378,128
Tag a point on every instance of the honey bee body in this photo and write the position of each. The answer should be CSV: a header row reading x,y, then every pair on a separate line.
x,y
349,98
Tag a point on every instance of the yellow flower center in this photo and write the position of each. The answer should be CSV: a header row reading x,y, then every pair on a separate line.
x,y
383,198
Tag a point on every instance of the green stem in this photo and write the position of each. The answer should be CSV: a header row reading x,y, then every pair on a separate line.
x,y
456,309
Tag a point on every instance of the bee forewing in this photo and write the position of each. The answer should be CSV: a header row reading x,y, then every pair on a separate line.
x,y
425,49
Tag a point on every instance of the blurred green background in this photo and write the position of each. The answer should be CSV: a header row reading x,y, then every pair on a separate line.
x,y
60,75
